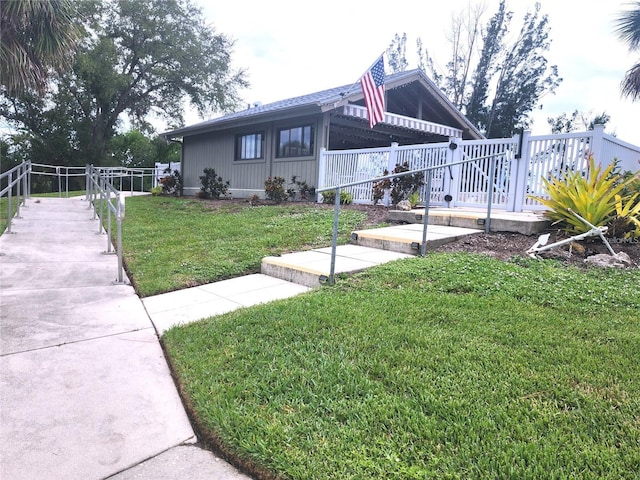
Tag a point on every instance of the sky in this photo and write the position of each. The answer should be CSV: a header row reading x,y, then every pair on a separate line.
x,y
291,48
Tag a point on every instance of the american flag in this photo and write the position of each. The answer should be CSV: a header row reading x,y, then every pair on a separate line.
x,y
372,83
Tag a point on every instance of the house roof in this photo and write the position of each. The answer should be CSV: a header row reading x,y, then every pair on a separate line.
x,y
331,99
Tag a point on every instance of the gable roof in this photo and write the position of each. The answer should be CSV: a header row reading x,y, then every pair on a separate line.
x,y
328,100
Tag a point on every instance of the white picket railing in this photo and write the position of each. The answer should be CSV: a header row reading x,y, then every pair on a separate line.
x,y
518,170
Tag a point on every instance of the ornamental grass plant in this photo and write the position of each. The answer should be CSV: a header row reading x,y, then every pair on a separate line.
x,y
597,196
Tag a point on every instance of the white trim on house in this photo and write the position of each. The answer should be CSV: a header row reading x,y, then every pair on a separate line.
x,y
404,122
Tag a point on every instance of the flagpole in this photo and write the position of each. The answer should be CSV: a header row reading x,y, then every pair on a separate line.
x,y
358,81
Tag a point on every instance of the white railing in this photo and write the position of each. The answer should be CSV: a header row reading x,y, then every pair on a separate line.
x,y
521,163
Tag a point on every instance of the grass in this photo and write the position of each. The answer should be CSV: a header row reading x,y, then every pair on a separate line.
x,y
172,243
449,366
4,207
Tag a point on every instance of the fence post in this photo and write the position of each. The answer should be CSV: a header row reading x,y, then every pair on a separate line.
x,y
322,170
597,144
520,174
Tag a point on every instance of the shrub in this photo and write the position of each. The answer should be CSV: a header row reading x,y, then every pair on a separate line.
x,y
329,197
213,185
592,196
171,182
379,188
300,188
400,187
155,191
274,189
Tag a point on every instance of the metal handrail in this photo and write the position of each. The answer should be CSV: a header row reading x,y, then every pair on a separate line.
x,y
22,186
99,185
61,172
429,172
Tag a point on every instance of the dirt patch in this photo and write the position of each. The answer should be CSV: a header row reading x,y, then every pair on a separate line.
x,y
508,245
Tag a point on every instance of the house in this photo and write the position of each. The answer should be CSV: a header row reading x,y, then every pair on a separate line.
x,y
285,138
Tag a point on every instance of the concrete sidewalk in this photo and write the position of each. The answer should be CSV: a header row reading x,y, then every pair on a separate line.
x,y
85,391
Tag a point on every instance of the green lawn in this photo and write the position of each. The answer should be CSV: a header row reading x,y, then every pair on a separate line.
x,y
449,366
172,243
4,210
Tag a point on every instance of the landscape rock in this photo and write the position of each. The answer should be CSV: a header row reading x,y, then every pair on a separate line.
x,y
619,260
404,205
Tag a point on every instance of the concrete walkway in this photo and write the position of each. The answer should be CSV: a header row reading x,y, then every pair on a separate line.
x,y
85,391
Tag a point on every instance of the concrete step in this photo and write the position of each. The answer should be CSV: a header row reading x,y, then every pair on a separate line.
x,y
370,248
407,238
312,268
526,223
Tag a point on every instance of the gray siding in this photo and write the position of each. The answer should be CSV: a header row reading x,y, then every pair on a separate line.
x,y
217,150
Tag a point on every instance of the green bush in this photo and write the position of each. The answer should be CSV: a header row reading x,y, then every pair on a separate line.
x,y
155,191
171,182
330,197
274,189
213,185
400,187
592,196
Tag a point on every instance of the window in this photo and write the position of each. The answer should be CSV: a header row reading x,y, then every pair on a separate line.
x,y
295,142
249,147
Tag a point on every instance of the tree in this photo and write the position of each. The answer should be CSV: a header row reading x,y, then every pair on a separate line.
x,y
134,149
508,78
463,36
141,58
397,53
35,38
577,121
628,29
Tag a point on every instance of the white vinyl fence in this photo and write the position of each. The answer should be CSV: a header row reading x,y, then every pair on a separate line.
x,y
520,165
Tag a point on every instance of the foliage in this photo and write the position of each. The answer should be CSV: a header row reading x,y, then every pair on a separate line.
x,y
402,187
213,185
626,223
38,38
380,188
397,53
577,121
414,199
274,189
591,195
155,191
628,29
171,182
498,89
138,58
135,149
329,197
171,243
300,188
451,366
